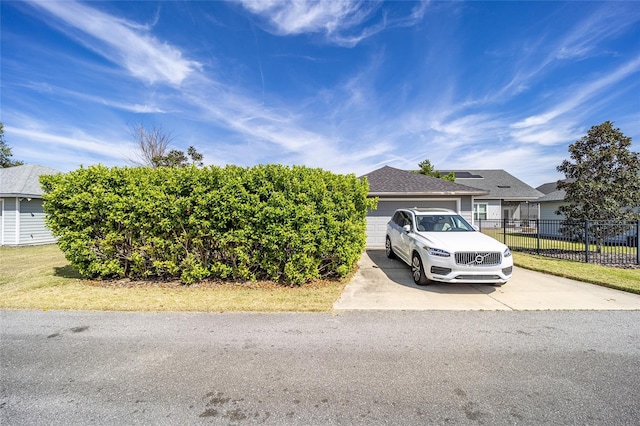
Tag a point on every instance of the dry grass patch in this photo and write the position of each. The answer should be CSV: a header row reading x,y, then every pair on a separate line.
x,y
41,278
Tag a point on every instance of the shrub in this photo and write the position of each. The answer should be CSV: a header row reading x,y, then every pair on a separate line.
x,y
286,224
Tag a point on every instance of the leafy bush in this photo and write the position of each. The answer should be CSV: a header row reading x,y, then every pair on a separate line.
x,y
286,224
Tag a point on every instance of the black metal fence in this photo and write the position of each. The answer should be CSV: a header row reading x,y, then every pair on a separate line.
x,y
603,242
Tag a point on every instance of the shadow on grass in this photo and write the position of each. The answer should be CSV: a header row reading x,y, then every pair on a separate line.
x,y
66,272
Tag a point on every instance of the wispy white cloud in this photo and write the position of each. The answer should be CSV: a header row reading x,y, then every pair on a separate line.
x,y
605,23
150,107
343,22
582,40
543,128
76,140
125,43
295,17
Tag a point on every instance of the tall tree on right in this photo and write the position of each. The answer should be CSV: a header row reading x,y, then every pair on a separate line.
x,y
603,180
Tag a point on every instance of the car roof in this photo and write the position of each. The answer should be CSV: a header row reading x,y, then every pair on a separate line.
x,y
430,211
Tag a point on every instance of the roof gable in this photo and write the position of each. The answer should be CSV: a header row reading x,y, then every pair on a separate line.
x,y
392,181
23,180
554,196
499,183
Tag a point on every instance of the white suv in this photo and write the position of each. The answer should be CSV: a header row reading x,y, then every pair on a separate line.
x,y
440,245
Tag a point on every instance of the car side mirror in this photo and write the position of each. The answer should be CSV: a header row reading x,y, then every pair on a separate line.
x,y
407,228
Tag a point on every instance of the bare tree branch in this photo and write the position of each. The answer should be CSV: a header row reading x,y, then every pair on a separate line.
x,y
151,144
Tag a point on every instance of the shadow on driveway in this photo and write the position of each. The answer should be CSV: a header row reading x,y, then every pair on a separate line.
x,y
400,273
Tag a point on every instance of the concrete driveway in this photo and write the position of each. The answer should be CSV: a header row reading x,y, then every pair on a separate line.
x,y
386,284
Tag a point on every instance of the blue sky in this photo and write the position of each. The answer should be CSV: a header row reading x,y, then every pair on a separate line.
x,y
345,86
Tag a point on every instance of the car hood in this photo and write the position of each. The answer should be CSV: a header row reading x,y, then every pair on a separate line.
x,y
461,241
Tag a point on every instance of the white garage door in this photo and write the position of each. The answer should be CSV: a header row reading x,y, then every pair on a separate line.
x,y
377,219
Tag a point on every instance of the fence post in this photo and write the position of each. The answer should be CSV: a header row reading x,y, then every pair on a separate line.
x,y
637,242
586,240
538,236
504,230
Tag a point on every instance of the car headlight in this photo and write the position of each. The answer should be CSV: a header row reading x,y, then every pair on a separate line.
x,y
436,251
507,252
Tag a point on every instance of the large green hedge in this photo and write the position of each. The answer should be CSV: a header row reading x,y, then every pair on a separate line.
x,y
286,224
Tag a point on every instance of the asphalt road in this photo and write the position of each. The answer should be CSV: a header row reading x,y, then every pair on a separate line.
x,y
363,367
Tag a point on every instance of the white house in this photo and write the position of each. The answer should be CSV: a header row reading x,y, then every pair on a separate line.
x,y
21,212
508,197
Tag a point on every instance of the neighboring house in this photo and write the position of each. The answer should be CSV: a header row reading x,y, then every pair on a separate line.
x,y
397,188
21,213
549,225
508,197
552,199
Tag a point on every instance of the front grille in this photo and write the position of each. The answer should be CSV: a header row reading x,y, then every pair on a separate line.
x,y
439,270
478,277
478,258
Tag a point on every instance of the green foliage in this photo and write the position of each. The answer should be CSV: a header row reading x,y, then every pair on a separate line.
x,y
176,158
603,177
5,152
603,182
286,224
427,169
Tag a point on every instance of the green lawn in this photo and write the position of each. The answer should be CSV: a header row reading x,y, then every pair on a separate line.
x,y
40,277
621,279
531,242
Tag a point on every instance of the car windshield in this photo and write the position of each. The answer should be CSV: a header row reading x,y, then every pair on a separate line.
x,y
442,223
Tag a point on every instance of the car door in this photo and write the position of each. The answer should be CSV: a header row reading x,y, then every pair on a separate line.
x,y
404,238
394,229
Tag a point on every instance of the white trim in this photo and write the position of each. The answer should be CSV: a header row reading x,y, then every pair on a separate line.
x,y
2,215
486,209
17,238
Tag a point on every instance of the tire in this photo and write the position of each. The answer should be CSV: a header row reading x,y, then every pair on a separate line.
x,y
417,271
388,249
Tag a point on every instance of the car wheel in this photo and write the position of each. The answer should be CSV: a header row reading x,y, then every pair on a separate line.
x,y
388,249
417,271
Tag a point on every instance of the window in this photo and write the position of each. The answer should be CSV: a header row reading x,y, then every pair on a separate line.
x,y
401,219
479,211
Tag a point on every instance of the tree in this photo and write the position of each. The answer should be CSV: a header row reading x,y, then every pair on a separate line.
x,y
177,158
603,181
5,152
427,169
152,146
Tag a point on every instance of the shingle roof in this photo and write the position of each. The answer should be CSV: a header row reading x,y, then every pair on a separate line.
x,y
550,188
499,183
551,191
547,188
22,181
554,196
391,181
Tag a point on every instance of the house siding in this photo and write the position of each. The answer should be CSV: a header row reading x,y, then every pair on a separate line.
x,y
494,208
548,211
9,221
32,223
549,225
